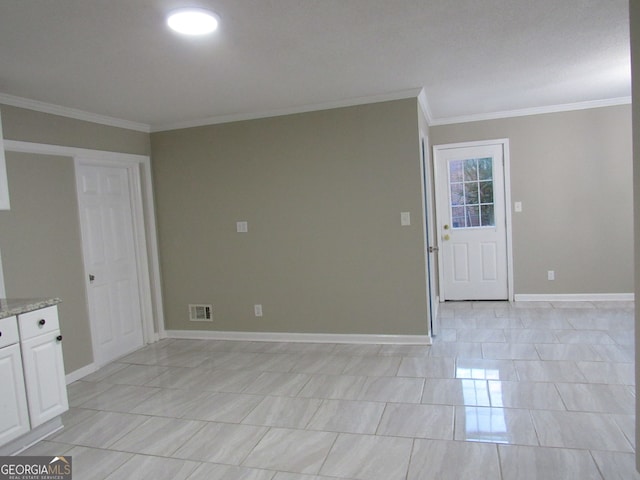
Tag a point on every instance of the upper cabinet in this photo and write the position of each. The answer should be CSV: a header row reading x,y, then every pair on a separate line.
x,y
4,186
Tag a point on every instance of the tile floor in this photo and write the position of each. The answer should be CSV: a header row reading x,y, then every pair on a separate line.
x,y
507,391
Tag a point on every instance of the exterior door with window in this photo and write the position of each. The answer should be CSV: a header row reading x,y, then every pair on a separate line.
x,y
472,222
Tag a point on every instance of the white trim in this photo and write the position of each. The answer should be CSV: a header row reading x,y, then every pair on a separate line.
x,y
147,227
567,107
64,151
300,337
132,171
3,292
77,114
424,106
44,107
32,437
237,117
81,373
575,297
507,200
4,184
506,172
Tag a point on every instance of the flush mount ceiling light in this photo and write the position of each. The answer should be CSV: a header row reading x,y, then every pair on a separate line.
x,y
193,21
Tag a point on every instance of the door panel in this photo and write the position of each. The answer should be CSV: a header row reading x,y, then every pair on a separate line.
x,y
109,251
460,262
472,222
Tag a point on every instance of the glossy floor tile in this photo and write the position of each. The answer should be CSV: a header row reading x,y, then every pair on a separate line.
x,y
347,416
450,460
291,450
417,421
529,463
507,391
368,457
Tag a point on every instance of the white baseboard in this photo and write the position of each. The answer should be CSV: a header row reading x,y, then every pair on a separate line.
x,y
80,373
300,337
575,297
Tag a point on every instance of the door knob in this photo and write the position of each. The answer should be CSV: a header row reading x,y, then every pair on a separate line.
x,y
446,237
446,227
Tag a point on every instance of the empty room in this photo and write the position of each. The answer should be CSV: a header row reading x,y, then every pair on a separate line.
x,y
298,240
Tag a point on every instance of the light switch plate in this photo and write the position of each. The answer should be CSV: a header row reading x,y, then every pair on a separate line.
x,y
242,227
517,206
405,219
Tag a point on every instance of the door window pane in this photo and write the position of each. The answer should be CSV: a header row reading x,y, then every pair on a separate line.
x,y
457,194
486,192
471,193
472,216
485,169
457,217
470,170
455,171
486,216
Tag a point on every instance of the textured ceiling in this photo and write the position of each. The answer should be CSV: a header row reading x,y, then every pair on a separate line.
x,y
117,58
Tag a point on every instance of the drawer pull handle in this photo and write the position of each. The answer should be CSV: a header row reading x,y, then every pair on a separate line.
x,y
59,338
42,322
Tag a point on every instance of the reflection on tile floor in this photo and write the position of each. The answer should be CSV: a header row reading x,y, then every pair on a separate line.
x,y
507,391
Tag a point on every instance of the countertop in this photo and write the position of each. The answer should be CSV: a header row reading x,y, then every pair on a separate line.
x,y
16,306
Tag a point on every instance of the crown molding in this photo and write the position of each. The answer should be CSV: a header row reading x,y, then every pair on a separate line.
x,y
50,108
424,106
351,102
419,93
567,107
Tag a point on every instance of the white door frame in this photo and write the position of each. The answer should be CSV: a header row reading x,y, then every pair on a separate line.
x,y
439,176
146,241
428,234
139,242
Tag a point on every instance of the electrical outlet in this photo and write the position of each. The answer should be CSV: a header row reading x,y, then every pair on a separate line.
x,y
242,227
257,309
551,275
405,219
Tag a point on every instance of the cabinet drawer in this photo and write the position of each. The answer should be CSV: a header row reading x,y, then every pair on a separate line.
x,y
8,331
38,322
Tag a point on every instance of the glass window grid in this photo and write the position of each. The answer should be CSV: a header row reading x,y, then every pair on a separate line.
x,y
461,174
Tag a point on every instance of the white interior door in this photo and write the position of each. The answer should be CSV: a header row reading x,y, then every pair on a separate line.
x,y
106,219
470,186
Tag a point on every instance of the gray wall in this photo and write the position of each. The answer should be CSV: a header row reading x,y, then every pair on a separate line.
x,y
40,235
322,193
37,127
573,174
41,246
634,10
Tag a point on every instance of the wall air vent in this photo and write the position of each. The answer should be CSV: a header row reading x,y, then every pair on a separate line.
x,y
200,313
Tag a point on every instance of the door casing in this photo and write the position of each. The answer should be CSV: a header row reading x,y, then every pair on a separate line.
x,y
440,176
144,219
429,235
139,242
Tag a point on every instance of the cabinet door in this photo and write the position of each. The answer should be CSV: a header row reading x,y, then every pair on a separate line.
x,y
44,377
14,417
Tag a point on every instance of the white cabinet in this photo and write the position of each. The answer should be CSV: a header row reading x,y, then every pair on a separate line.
x,y
14,417
44,377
